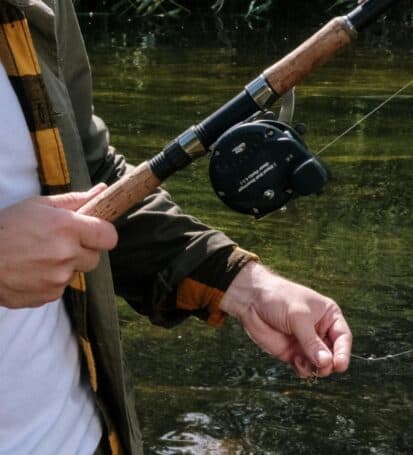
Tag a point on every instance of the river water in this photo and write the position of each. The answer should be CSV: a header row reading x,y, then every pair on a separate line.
x,y
206,391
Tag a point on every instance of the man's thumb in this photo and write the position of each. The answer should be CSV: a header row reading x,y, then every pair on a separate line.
x,y
73,200
315,349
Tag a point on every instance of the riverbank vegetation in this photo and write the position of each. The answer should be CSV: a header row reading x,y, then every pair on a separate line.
x,y
249,9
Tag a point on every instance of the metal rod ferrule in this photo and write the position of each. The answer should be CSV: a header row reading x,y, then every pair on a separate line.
x,y
190,143
261,92
352,31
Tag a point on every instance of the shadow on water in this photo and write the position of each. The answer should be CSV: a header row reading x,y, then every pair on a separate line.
x,y
202,391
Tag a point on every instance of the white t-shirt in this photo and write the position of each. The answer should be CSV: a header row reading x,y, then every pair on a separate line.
x,y
46,407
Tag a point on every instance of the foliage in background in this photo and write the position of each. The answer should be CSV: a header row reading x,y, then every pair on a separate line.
x,y
250,9
160,8
346,3
226,16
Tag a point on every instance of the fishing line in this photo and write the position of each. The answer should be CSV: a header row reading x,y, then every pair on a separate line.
x,y
313,379
364,118
372,358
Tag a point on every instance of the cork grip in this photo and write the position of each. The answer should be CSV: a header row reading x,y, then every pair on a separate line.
x,y
318,49
122,195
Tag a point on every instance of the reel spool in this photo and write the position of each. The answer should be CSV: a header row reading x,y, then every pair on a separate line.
x,y
258,166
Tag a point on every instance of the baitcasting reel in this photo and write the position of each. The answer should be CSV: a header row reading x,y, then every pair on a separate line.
x,y
258,166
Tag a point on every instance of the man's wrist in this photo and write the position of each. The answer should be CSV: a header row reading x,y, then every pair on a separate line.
x,y
206,285
244,289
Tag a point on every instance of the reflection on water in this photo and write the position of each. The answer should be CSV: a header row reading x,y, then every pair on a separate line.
x,y
201,391
192,442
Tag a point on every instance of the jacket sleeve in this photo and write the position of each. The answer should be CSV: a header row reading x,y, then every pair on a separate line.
x,y
167,265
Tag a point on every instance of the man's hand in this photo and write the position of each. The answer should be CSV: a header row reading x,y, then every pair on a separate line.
x,y
291,322
43,242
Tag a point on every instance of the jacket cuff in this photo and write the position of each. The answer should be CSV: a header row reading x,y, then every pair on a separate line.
x,y
201,292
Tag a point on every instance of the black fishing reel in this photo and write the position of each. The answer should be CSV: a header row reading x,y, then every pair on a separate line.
x,y
258,166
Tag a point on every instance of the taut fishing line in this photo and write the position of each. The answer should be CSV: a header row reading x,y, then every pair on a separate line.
x,y
313,379
371,358
373,111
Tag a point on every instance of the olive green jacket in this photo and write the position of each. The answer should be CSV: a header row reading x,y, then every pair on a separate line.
x,y
158,245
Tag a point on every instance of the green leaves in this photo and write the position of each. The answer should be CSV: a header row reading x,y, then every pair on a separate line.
x,y
257,8
162,8
342,3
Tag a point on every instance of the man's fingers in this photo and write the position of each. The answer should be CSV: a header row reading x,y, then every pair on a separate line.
x,y
315,349
73,200
342,339
95,234
87,260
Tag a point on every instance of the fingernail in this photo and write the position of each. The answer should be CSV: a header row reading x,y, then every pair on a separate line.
x,y
341,362
323,357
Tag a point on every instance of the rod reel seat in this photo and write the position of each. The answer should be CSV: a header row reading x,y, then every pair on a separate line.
x,y
258,166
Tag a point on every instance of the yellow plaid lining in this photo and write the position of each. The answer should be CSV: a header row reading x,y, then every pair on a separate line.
x,y
21,64
19,59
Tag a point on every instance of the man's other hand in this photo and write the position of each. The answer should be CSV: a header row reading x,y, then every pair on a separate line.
x,y
43,242
290,321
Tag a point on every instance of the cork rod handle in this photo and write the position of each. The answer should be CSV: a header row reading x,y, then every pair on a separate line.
x,y
318,49
122,195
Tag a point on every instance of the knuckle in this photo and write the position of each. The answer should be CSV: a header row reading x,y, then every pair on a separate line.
x,y
62,219
89,261
73,196
64,253
72,199
298,314
93,261
331,302
311,343
63,226
106,235
63,278
112,237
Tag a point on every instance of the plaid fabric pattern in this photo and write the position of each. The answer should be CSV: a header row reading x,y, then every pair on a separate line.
x,y
19,59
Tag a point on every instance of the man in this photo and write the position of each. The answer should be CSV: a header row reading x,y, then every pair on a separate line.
x,y
55,398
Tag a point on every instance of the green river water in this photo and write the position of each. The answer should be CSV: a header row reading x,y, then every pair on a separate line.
x,y
206,391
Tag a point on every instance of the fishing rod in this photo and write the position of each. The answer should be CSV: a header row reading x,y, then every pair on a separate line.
x,y
257,164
